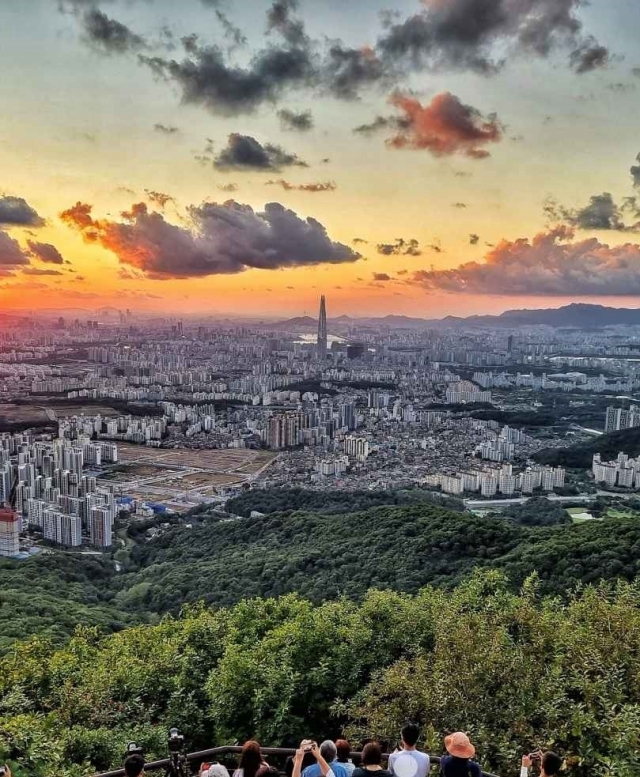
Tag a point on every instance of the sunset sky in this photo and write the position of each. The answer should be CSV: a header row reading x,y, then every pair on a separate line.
x,y
245,156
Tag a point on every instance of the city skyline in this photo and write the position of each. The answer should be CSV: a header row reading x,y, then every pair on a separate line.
x,y
417,158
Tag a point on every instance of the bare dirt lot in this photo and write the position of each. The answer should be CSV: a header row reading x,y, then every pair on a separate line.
x,y
181,478
37,414
244,461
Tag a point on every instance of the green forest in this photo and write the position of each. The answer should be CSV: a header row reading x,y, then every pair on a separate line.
x,y
517,670
416,610
321,556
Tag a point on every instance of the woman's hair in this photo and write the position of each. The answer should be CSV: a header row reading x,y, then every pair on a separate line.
x,y
344,750
372,754
251,758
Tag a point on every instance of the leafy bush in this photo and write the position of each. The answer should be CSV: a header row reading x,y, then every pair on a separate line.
x,y
516,670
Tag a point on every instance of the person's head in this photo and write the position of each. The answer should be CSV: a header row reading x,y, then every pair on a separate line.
x,y
550,764
372,754
344,750
459,745
251,758
216,770
328,751
410,734
134,765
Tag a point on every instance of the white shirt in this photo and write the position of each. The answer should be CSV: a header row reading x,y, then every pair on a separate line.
x,y
422,763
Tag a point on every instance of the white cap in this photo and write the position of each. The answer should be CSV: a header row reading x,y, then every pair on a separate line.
x,y
217,770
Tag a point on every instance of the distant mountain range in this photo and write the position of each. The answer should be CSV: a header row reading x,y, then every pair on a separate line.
x,y
576,315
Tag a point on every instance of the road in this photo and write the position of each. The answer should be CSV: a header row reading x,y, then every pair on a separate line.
x,y
478,504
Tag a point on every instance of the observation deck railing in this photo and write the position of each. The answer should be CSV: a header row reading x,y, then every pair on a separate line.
x,y
204,755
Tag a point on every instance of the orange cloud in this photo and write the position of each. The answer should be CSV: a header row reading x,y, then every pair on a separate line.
x,y
549,264
444,127
216,239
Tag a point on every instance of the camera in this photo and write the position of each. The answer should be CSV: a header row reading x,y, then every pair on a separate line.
x,y
178,766
3,771
132,749
175,741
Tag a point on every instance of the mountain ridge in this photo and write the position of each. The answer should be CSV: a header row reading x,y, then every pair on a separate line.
x,y
576,314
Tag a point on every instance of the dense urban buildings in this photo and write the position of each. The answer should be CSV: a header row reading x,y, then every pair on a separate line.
x,y
122,418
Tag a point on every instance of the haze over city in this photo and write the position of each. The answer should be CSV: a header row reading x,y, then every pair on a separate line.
x,y
423,158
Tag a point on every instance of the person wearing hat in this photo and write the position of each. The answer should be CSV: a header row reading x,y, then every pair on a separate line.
x,y
214,770
457,762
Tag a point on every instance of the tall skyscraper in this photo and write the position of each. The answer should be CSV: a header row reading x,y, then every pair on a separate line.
x,y
322,331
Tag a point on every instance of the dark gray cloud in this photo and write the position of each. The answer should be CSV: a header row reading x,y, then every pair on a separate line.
x,y
280,19
479,34
551,263
400,247
228,187
381,277
345,71
215,239
359,240
620,87
45,252
166,129
601,213
16,212
39,271
206,78
383,123
232,33
109,35
321,186
588,56
12,255
244,152
635,173
296,122
459,205
474,239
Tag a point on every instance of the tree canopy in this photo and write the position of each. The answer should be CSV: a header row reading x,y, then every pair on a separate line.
x,y
515,669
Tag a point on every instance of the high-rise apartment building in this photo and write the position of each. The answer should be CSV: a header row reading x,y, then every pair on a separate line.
x,y
9,533
617,418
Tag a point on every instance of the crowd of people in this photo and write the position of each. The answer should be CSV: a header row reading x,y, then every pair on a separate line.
x,y
335,759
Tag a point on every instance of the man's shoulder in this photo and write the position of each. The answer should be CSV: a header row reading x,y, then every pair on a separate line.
x,y
339,770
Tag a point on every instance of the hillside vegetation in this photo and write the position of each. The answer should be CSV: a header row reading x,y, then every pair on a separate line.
x,y
321,556
516,670
580,456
